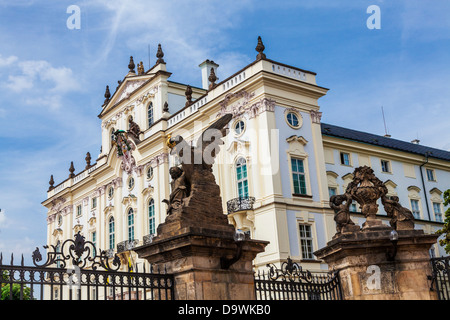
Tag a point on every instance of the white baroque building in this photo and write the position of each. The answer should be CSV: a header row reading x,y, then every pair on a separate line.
x,y
276,171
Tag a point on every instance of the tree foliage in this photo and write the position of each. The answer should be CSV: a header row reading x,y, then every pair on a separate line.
x,y
5,289
445,242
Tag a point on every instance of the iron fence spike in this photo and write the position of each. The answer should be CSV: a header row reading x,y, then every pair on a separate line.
x,y
1,258
21,262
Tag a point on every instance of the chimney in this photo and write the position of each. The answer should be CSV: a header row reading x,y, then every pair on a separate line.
x,y
206,66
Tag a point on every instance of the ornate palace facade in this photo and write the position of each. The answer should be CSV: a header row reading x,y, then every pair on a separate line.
x,y
276,171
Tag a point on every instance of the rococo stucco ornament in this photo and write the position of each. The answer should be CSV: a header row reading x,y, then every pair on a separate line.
x,y
124,147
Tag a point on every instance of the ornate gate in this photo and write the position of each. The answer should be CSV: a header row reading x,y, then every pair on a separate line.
x,y
441,277
292,283
76,271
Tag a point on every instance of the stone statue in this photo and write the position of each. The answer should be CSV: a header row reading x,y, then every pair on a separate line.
x,y
366,189
401,217
341,204
179,190
134,131
195,194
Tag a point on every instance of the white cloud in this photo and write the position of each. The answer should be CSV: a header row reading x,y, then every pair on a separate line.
x,y
4,62
187,30
39,82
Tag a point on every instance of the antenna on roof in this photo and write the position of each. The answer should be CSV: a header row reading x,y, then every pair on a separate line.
x,y
385,127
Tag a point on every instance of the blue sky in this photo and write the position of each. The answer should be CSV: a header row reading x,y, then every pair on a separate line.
x,y
52,79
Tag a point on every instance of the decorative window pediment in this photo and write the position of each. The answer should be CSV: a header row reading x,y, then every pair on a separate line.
x,y
391,186
129,200
296,145
148,191
436,195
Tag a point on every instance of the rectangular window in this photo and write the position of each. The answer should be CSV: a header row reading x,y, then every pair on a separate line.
x,y
385,166
345,158
415,208
94,241
241,176
332,191
306,241
130,227
437,211
430,175
79,210
94,203
298,176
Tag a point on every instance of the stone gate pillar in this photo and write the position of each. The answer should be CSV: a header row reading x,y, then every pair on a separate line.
x,y
369,270
199,258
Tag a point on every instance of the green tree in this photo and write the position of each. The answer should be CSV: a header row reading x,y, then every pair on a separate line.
x,y
445,242
5,290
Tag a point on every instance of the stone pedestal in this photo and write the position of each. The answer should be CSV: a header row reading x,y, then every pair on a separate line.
x,y
367,270
193,255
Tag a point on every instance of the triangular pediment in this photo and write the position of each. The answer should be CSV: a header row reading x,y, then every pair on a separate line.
x,y
130,87
124,91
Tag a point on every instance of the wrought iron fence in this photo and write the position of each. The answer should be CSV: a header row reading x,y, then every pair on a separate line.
x,y
440,278
74,271
292,283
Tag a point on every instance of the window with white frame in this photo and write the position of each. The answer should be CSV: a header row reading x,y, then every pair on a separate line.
x,y
298,176
130,224
385,166
94,242
430,175
306,241
111,233
345,158
151,217
415,209
79,212
241,178
110,192
437,211
94,202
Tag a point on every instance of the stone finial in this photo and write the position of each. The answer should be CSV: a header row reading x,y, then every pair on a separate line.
x,y
141,70
71,170
212,78
188,94
51,183
131,65
166,107
88,160
260,48
160,55
107,95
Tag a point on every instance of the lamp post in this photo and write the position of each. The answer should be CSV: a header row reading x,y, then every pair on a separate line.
x,y
390,254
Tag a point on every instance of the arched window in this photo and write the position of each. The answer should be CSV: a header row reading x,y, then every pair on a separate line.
x,y
112,239
150,114
130,219
241,178
151,216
